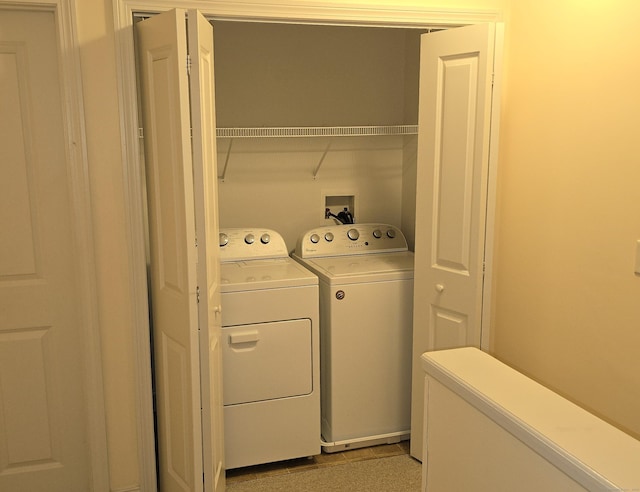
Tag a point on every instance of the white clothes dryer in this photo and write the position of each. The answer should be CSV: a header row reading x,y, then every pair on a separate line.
x,y
270,349
366,311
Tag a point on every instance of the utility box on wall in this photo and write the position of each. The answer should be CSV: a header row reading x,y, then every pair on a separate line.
x,y
337,202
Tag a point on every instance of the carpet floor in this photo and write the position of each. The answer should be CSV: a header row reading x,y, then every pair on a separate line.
x,y
393,474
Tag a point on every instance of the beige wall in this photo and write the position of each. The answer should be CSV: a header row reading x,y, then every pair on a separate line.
x,y
566,300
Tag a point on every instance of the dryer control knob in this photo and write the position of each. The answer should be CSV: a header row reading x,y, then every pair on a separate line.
x,y
249,239
353,234
391,233
377,233
224,239
328,237
265,238
314,238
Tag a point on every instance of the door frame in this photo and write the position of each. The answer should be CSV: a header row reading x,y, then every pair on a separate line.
x,y
286,11
75,145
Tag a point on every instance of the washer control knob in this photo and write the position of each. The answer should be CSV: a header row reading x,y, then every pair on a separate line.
x,y
249,239
314,238
265,238
224,239
353,234
328,237
391,233
377,233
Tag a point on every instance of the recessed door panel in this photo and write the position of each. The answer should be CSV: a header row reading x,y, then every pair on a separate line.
x,y
449,329
457,87
27,413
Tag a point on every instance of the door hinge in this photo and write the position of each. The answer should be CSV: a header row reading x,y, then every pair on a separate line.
x,y
198,295
188,64
140,132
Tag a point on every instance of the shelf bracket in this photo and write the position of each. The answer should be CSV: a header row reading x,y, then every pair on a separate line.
x,y
226,160
324,154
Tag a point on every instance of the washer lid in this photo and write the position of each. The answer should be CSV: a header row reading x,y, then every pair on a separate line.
x,y
271,273
363,268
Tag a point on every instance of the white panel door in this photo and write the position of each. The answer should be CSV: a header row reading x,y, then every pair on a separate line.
x,y
203,117
43,413
456,70
179,187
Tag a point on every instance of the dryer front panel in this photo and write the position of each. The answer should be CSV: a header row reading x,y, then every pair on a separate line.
x,y
266,361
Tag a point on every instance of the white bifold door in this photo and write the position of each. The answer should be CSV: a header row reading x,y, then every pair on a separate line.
x,y
180,160
455,114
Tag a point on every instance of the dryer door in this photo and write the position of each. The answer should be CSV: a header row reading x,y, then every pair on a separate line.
x,y
266,361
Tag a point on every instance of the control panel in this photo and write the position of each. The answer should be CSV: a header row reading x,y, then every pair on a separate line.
x,y
350,239
251,244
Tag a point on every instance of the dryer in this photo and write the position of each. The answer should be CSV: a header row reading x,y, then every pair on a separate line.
x,y
270,348
366,310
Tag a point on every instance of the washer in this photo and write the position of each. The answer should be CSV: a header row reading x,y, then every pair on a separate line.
x,y
270,350
366,310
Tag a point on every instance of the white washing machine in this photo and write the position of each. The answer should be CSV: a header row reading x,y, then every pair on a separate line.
x,y
270,350
366,304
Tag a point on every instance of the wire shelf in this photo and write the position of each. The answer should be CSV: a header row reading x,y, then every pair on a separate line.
x,y
316,131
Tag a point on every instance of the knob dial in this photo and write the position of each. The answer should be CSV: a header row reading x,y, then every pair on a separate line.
x,y
353,234
223,239
391,233
377,233
314,238
328,237
249,239
265,238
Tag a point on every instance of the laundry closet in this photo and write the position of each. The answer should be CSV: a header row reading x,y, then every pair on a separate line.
x,y
309,119
288,80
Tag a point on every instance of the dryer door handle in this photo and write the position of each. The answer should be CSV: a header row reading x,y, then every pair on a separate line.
x,y
244,337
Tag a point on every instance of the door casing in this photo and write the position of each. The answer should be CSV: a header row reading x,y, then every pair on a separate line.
x,y
288,11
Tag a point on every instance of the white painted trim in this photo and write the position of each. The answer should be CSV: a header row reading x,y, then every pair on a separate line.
x,y
78,170
73,104
127,489
136,226
318,12
492,190
295,11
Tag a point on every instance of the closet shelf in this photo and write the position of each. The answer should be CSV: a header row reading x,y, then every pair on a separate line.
x,y
316,131
309,131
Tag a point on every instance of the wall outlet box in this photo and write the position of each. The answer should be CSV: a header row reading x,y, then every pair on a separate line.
x,y
336,202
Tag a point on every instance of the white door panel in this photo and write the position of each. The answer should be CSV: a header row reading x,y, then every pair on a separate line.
x,y
165,103
202,92
43,406
180,153
456,69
